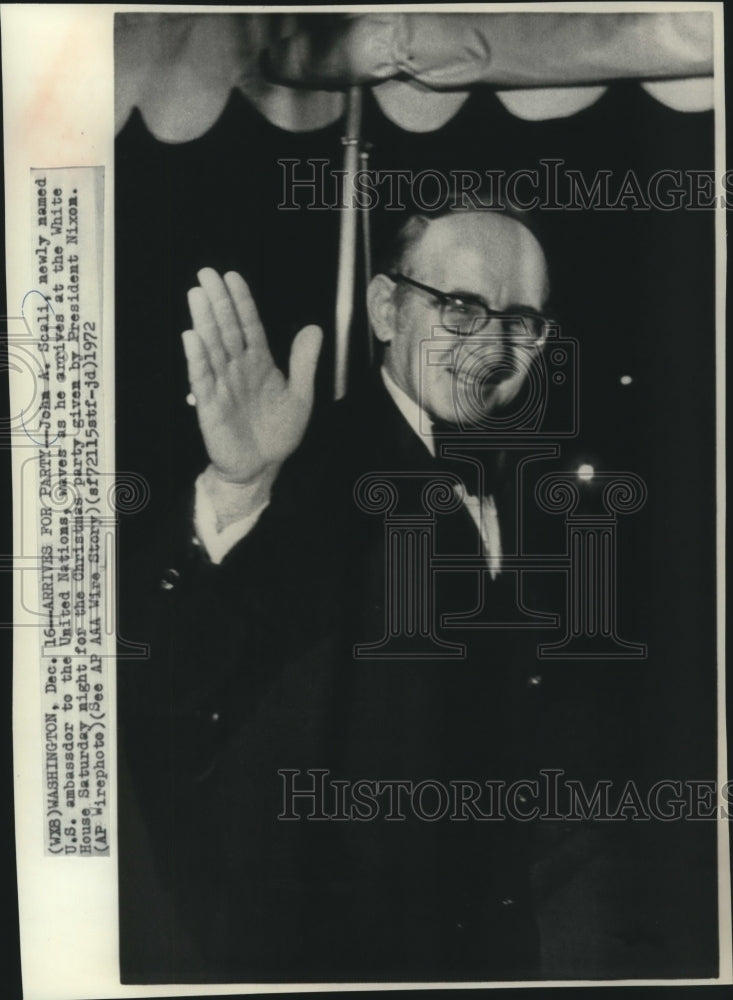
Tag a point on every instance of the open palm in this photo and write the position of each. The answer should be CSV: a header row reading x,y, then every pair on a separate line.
x,y
251,416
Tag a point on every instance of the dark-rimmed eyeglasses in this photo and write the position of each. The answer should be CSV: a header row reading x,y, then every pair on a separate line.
x,y
467,314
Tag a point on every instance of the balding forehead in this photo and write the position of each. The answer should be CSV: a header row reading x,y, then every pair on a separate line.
x,y
451,244
487,231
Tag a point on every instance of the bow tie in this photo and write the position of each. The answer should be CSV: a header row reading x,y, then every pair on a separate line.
x,y
480,477
482,473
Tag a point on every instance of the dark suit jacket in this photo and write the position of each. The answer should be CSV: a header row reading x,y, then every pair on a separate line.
x,y
253,672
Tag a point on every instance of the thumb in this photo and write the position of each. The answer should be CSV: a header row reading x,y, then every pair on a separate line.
x,y
303,362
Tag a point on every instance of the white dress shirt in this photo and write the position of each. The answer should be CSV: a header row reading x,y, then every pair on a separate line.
x,y
482,509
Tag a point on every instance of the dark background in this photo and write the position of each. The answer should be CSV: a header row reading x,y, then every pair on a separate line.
x,y
155,435
636,290
150,336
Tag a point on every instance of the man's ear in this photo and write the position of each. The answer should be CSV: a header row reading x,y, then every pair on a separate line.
x,y
381,307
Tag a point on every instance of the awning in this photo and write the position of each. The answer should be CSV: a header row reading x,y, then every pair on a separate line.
x,y
179,69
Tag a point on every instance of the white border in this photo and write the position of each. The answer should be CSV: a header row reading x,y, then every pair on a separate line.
x,y
59,110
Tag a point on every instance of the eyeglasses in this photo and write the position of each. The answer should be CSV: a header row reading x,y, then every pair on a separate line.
x,y
469,314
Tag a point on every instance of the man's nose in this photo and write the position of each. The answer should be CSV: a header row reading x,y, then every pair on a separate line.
x,y
493,359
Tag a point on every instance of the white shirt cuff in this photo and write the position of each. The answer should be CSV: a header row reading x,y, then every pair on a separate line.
x,y
218,543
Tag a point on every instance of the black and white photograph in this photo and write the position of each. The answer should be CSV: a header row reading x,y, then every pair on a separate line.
x,y
397,476
421,378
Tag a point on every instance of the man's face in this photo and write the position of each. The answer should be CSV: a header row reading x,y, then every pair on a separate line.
x,y
478,254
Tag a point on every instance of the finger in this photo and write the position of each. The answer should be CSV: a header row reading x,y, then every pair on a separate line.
x,y
205,325
224,311
200,375
249,318
304,361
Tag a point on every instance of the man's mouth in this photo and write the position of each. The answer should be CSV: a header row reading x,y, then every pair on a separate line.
x,y
488,380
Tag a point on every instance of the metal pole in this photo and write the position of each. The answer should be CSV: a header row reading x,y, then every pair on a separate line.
x,y
347,243
367,247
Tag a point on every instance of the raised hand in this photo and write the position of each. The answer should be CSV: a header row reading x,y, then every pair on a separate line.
x,y
251,417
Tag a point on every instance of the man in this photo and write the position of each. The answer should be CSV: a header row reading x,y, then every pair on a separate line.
x,y
276,651
252,419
